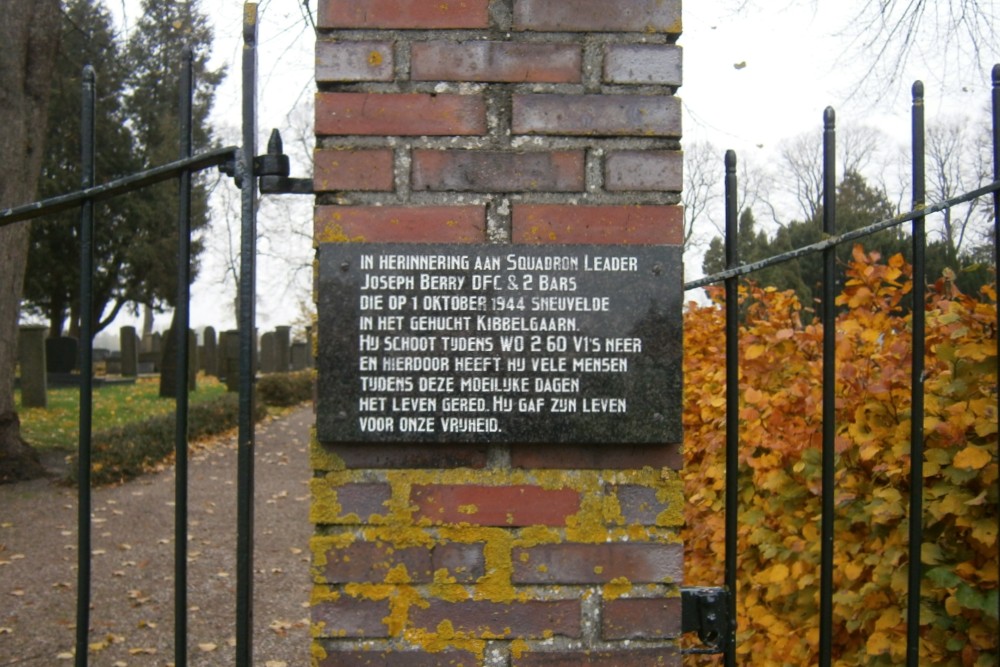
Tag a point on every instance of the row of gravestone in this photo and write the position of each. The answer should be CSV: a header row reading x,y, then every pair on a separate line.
x,y
44,361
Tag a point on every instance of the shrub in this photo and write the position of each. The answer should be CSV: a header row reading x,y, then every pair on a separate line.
x,y
124,452
285,389
780,426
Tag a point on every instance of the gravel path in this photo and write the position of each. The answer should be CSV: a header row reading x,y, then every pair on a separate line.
x,y
132,612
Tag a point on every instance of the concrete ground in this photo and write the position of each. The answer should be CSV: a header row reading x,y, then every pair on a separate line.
x,y
132,616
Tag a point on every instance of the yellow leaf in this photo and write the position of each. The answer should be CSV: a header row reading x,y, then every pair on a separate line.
x,y
778,573
853,570
207,647
889,619
952,606
879,644
972,458
754,351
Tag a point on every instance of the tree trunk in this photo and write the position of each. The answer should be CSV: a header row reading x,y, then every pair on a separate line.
x,y
29,37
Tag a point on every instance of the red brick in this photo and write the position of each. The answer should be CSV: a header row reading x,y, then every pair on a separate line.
x,y
494,505
635,657
597,115
498,171
464,562
403,14
639,504
596,457
354,61
598,15
614,225
402,658
643,64
371,562
525,62
568,563
641,618
658,171
353,170
402,114
391,224
393,456
363,500
349,617
533,619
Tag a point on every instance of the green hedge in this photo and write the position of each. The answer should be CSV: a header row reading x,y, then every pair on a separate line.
x,y
285,389
125,452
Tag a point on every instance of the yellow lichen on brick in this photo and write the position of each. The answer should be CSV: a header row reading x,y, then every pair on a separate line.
x,y
446,637
321,458
334,233
324,508
321,544
445,587
616,588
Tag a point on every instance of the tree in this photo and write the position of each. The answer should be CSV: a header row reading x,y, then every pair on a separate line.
x,y
858,205
88,36
135,234
28,40
154,52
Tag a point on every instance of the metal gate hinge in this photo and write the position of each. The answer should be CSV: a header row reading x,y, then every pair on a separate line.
x,y
705,610
273,169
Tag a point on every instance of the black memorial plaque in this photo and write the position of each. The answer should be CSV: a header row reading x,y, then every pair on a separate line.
x,y
452,343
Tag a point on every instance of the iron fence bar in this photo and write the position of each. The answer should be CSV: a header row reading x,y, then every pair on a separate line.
x,y
247,293
829,385
87,170
996,243
182,322
853,235
212,158
732,407
916,536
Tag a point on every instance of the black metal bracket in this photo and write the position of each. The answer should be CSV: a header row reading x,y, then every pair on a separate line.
x,y
705,610
273,169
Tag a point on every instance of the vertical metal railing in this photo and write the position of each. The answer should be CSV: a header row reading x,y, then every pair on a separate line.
x,y
996,252
247,345
732,405
829,320
182,322
88,162
917,326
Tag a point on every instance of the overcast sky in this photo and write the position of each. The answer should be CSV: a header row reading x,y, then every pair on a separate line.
x,y
751,78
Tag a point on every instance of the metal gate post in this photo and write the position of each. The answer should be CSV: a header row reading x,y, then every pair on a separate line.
x,y
182,322
829,431
732,406
247,319
87,168
916,532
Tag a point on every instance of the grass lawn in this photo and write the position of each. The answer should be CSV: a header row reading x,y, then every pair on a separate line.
x,y
57,427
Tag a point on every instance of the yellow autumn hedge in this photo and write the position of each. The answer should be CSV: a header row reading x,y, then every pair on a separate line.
x,y
780,417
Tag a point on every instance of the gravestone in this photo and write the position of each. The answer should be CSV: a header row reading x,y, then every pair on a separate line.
x,y
31,357
209,352
268,353
61,355
300,356
283,346
129,347
230,348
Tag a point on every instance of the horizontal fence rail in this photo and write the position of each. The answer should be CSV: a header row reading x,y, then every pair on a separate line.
x,y
729,279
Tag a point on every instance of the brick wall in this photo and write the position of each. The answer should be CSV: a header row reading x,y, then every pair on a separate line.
x,y
503,121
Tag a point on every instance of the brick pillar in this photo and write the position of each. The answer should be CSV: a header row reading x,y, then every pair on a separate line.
x,y
521,124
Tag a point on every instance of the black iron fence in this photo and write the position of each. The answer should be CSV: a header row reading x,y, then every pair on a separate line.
x,y
246,167
825,250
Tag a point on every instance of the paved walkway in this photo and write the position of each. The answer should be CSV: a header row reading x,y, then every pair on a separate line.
x,y
132,613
